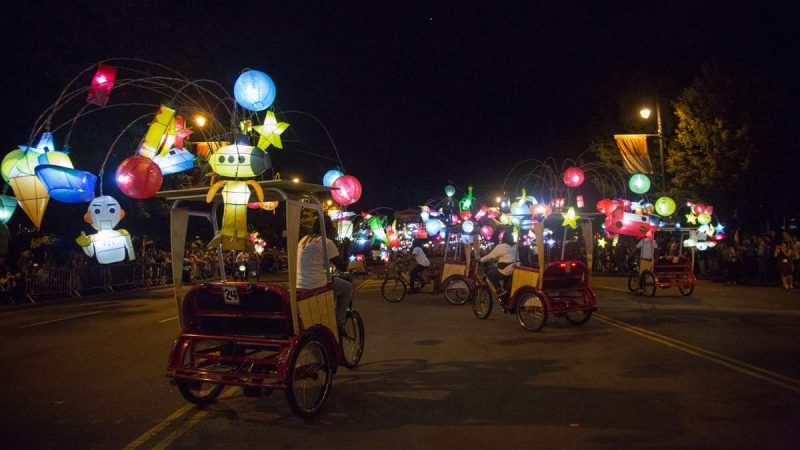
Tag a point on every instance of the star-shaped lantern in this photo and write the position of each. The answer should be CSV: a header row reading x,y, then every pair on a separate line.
x,y
601,243
691,218
270,132
570,217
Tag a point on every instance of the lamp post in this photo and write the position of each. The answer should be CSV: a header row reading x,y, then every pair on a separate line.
x,y
645,113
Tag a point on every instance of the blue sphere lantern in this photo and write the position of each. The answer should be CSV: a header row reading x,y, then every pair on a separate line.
x,y
331,176
433,226
254,90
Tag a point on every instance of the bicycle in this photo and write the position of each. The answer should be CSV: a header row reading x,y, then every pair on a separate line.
x,y
529,307
351,340
395,287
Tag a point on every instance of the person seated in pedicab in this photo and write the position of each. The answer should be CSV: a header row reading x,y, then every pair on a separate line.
x,y
422,263
312,269
506,255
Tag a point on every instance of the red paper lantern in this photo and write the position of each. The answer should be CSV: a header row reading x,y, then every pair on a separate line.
x,y
102,83
466,215
347,190
139,177
573,177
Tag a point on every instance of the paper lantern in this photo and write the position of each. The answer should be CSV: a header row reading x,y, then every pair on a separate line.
x,y
433,226
466,215
32,196
573,177
233,234
348,190
449,190
9,161
8,205
486,231
579,201
55,159
174,161
270,132
704,218
26,165
156,132
665,206
331,176
65,184
254,90
345,229
639,183
569,218
44,145
108,245
467,226
139,177
266,206
239,161
102,83
466,202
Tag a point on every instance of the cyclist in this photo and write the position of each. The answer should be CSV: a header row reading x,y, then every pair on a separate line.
x,y
418,253
506,255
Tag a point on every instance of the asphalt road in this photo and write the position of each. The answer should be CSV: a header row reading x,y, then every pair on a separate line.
x,y
719,369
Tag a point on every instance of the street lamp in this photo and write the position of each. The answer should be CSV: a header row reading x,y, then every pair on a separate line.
x,y
645,113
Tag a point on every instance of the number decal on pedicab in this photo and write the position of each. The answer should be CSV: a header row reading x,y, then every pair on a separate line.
x,y
230,295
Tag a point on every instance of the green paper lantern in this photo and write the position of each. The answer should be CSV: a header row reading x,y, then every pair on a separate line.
x,y
639,183
9,161
665,206
8,205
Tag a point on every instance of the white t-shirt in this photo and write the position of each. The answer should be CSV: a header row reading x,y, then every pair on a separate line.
x,y
503,253
312,268
419,256
647,246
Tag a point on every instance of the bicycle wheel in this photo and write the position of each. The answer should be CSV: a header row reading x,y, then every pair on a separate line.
x,y
393,289
352,339
648,284
633,282
456,291
531,311
578,317
482,302
198,392
686,291
309,379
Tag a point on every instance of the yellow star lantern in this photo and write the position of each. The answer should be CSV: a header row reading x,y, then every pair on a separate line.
x,y
570,217
270,132
691,218
601,243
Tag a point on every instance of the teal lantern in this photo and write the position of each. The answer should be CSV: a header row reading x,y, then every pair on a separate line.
x,y
8,204
639,183
665,206
449,190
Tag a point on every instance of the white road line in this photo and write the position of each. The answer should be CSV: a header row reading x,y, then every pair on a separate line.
x,y
60,319
612,289
167,320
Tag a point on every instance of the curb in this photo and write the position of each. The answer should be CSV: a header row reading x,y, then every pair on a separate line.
x,y
84,299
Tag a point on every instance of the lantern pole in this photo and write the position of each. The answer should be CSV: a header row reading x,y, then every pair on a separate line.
x,y
661,147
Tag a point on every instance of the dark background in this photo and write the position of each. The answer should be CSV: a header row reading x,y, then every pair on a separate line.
x,y
414,94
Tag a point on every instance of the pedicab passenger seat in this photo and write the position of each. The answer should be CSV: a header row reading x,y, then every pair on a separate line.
x,y
264,311
671,264
562,275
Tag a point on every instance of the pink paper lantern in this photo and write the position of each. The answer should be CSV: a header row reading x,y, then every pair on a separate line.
x,y
347,190
573,177
139,177
487,231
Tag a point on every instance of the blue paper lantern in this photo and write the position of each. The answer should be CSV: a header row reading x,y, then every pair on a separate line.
x,y
449,190
67,185
331,176
254,90
174,161
8,204
433,226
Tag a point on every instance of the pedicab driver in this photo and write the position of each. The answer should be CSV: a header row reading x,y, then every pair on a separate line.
x,y
312,269
647,248
506,255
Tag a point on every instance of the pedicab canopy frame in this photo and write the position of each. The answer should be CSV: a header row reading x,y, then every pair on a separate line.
x,y
296,195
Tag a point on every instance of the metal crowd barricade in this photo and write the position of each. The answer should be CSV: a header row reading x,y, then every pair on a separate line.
x,y
40,281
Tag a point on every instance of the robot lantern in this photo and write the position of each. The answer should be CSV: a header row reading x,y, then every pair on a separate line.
x,y
108,244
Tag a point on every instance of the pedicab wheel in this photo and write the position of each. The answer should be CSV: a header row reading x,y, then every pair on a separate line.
x,y
353,339
456,291
393,289
482,302
633,282
686,291
578,317
531,311
648,284
198,392
309,379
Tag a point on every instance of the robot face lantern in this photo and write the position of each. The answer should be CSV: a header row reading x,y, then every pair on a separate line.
x,y
239,161
104,213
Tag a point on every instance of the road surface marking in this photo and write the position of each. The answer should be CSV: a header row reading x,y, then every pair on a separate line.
x,y
612,289
167,320
191,422
61,319
777,379
368,280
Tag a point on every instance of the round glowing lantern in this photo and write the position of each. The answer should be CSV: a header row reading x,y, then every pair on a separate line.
x,y
254,90
348,190
573,177
433,226
139,177
704,218
487,231
665,206
449,190
639,183
331,176
466,215
468,226
8,204
9,161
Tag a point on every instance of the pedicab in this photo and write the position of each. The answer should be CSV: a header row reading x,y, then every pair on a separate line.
x,y
560,288
665,272
460,278
257,335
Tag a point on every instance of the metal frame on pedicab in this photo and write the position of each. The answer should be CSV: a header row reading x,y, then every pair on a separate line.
x,y
256,335
667,271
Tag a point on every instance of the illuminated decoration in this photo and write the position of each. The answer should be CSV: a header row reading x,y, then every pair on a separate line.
x,y
540,211
665,206
466,202
569,218
139,177
453,219
181,132
704,218
702,245
376,225
424,215
691,218
44,145
602,242
174,161
28,189
719,228
482,212
270,132
8,205
108,245
239,161
573,177
254,90
468,226
579,201
102,83
233,234
504,219
206,149
629,224
331,176
449,190
486,231
65,184
615,241
55,158
348,190
433,226
345,229
266,206
639,183
154,138
9,161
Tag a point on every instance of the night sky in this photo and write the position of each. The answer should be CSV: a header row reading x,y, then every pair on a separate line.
x,y
415,94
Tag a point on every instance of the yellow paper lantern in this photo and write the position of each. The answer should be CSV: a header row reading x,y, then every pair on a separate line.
x,y
32,196
233,234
